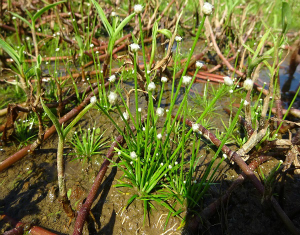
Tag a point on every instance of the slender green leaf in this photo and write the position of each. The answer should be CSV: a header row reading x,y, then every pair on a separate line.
x,y
46,8
165,32
9,50
101,13
123,24
130,200
76,119
286,16
53,119
79,41
21,18
261,43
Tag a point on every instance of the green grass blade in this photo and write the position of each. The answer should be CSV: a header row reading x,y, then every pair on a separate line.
x,y
21,18
123,24
101,13
53,119
9,50
46,8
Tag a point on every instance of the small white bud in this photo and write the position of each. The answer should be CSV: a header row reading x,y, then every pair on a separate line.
x,y
199,64
112,78
224,156
57,49
246,102
178,39
113,14
170,167
195,127
159,136
186,80
164,79
207,8
134,47
93,100
139,110
228,81
160,111
112,98
126,116
91,45
138,8
133,155
248,84
151,86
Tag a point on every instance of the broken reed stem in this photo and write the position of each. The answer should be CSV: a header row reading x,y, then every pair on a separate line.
x,y
234,156
19,228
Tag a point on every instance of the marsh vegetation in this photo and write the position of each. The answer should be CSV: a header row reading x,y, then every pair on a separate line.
x,y
146,117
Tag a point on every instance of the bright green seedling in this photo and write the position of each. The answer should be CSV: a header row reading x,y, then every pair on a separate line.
x,y
33,20
24,131
113,32
62,133
87,143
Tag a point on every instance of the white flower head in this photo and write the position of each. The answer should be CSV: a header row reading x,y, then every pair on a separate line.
x,y
91,45
224,156
134,47
93,100
161,163
126,116
207,8
160,111
178,39
112,78
248,84
186,80
246,102
57,49
164,79
14,18
151,86
199,64
195,127
138,8
176,163
112,98
159,136
27,38
170,166
133,155
139,110
113,14
231,91
228,81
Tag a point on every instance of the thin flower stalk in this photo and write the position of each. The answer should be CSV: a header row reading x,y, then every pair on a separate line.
x,y
136,102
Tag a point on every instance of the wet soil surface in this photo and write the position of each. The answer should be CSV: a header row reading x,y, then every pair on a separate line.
x,y
28,192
